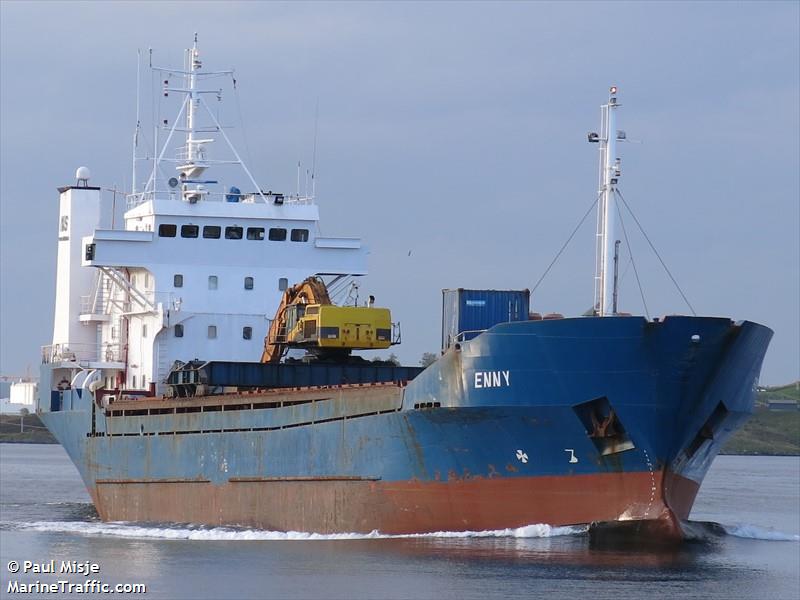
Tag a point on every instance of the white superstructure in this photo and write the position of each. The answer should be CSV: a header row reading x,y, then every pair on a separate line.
x,y
196,268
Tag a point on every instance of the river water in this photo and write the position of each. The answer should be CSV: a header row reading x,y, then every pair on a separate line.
x,y
45,514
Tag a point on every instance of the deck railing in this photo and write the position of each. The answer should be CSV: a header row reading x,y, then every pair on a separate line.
x,y
134,200
69,352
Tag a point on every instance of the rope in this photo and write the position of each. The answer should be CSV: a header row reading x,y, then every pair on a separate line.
x,y
633,264
569,239
661,260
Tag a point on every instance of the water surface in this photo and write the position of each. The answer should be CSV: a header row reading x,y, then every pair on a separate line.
x,y
46,514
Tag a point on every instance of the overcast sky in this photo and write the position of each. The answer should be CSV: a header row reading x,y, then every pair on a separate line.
x,y
452,138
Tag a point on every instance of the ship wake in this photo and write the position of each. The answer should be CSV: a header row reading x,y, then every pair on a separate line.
x,y
701,530
189,532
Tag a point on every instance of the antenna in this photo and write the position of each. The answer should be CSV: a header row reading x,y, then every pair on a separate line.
x,y
138,121
314,153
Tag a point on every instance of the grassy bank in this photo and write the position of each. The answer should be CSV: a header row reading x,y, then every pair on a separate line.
x,y
33,431
770,431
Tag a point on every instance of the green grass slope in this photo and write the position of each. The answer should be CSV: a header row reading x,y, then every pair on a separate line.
x,y
769,431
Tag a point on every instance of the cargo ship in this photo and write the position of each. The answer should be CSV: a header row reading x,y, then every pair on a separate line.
x,y
154,386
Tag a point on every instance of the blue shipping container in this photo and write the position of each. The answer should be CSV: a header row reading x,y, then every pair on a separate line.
x,y
466,313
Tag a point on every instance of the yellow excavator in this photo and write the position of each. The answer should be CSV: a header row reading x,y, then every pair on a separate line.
x,y
306,318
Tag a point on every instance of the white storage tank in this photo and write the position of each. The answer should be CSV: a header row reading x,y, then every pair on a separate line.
x,y
23,392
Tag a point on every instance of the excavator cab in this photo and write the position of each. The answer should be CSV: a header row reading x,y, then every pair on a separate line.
x,y
329,326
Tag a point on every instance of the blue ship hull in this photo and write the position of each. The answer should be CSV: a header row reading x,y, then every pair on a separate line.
x,y
566,421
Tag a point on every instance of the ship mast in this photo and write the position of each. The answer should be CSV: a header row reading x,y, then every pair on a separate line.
x,y
194,151
609,173
192,159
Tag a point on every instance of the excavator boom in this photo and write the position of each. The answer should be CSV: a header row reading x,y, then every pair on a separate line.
x,y
310,291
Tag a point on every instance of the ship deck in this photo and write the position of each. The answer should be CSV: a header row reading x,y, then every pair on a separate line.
x,y
388,392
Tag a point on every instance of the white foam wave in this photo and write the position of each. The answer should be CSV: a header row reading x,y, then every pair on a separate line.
x,y
129,530
759,533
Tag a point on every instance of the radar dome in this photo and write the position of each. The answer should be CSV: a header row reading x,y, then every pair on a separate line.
x,y
82,175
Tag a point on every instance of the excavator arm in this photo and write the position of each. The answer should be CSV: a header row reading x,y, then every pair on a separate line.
x,y
310,291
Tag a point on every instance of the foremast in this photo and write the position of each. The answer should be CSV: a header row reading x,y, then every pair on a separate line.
x,y
609,173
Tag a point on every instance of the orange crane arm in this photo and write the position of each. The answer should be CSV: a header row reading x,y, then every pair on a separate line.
x,y
310,291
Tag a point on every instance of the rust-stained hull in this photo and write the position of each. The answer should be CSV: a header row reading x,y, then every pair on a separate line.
x,y
329,506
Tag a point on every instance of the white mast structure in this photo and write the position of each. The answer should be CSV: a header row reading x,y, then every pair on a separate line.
x,y
604,284
191,161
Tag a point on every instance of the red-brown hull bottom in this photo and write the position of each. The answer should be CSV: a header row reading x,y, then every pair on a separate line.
x,y
333,506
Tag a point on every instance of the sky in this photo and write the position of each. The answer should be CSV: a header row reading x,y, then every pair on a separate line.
x,y
451,138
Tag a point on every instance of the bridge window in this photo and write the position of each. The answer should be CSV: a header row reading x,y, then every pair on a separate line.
x,y
212,282
190,231
211,232
283,283
233,233
177,280
248,283
212,332
299,235
247,333
178,330
277,234
255,233
167,230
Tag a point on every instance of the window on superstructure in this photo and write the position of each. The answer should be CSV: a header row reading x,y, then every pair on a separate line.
x,y
212,332
134,382
247,333
299,235
147,281
177,280
248,283
167,230
283,283
178,330
144,330
144,382
212,232
114,332
212,282
255,233
190,231
277,234
233,233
